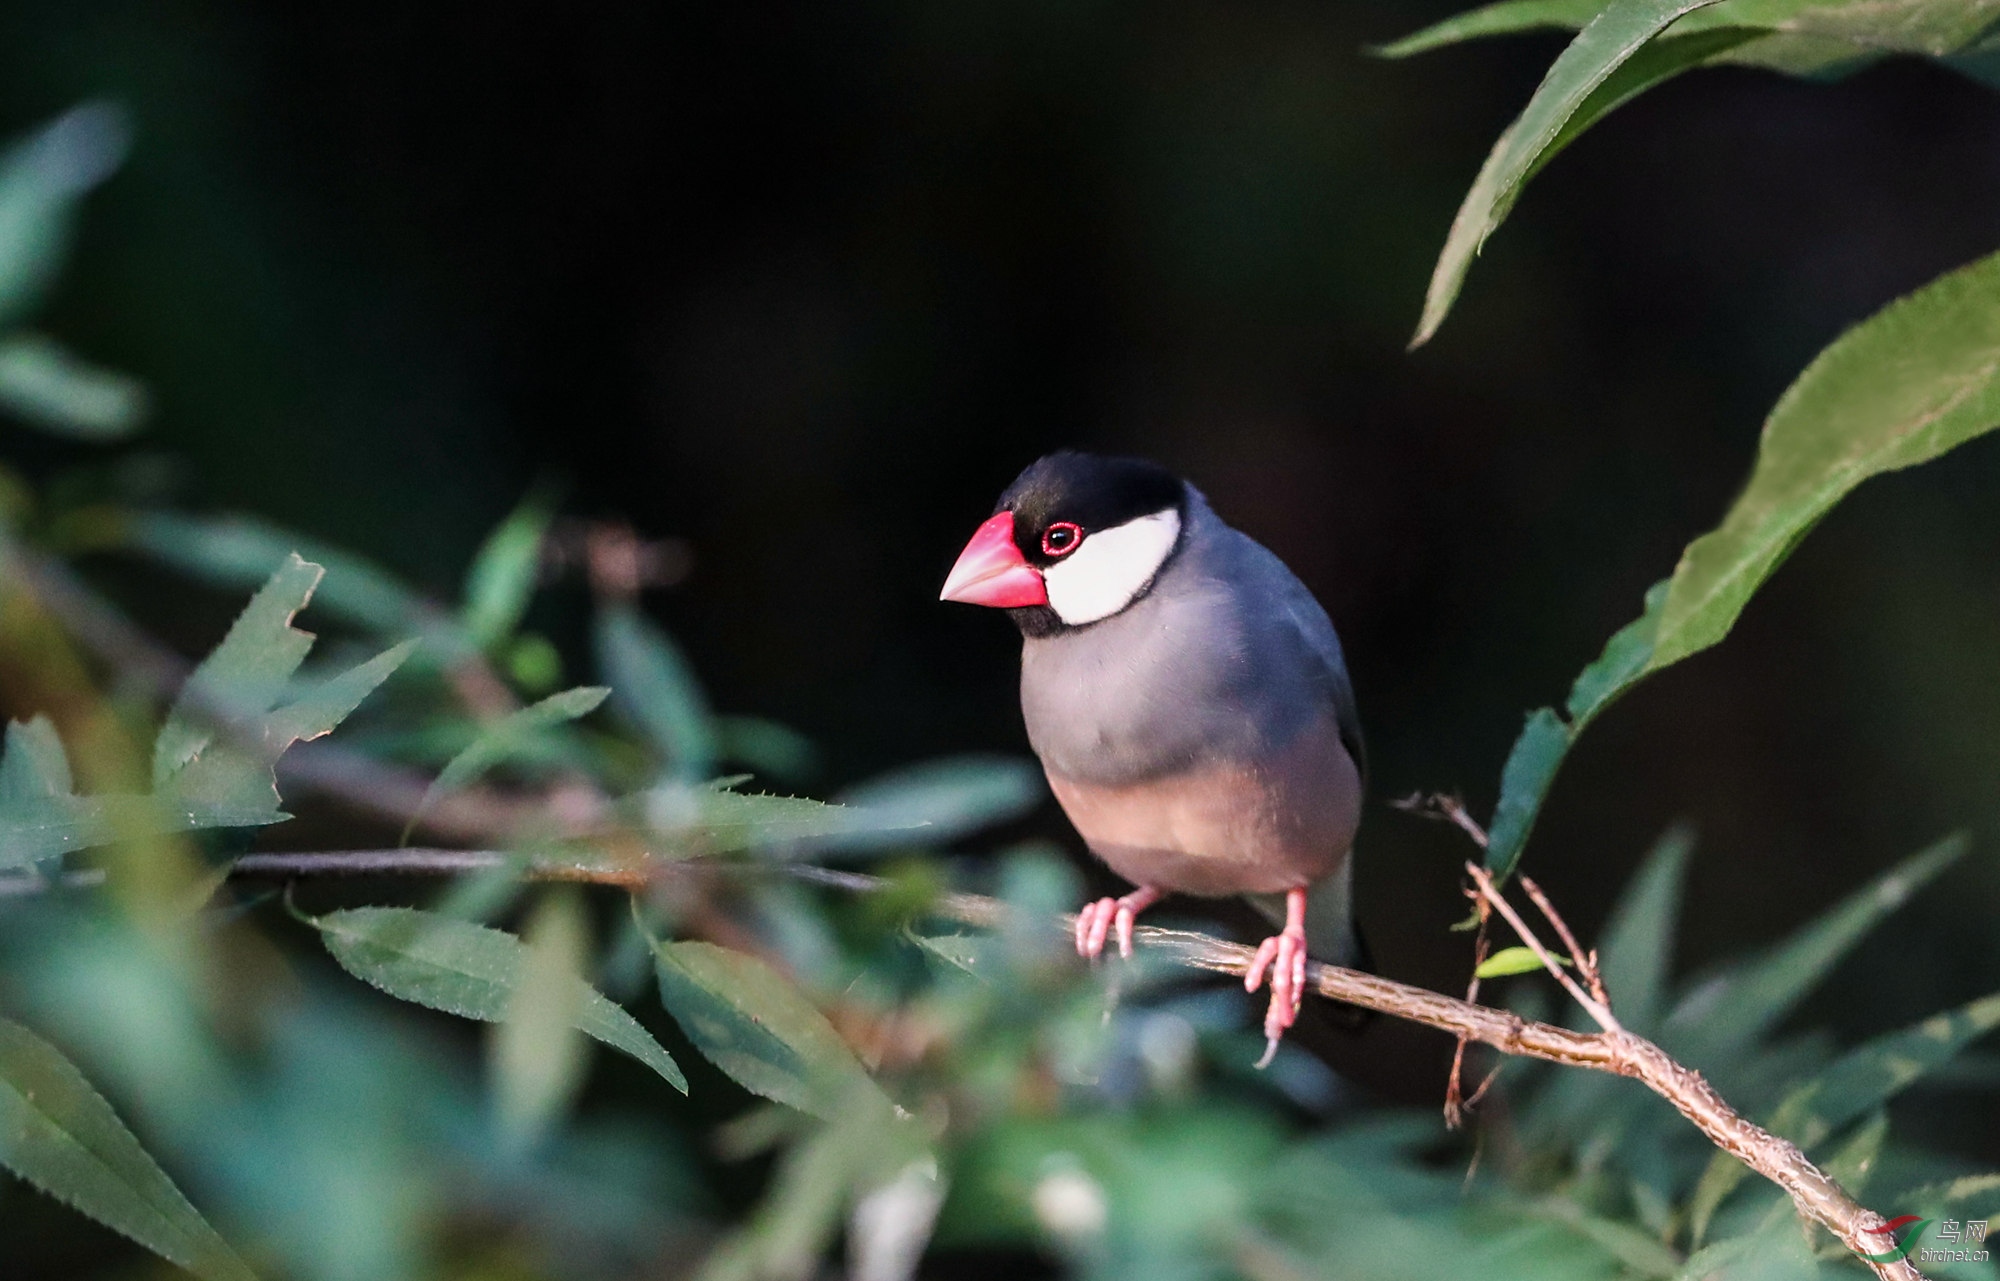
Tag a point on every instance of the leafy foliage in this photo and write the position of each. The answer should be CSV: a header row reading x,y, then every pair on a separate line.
x,y
909,1085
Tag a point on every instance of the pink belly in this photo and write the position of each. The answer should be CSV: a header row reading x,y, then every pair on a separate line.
x,y
1227,828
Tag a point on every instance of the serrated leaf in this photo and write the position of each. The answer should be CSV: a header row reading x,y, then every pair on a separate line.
x,y
1606,42
37,829
507,738
711,818
1719,1018
758,1028
1513,960
41,179
41,381
197,761
1915,380
502,578
59,1134
34,765
246,674
468,970
1853,1086
654,686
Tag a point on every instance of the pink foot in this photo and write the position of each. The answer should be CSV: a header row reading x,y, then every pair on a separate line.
x,y
1096,920
1285,954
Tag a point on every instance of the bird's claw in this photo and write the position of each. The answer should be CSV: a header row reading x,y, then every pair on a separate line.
x,y
1285,956
1098,921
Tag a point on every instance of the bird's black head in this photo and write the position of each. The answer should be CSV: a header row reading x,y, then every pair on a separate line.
x,y
1075,539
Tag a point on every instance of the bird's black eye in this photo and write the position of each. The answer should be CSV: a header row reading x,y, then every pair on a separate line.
x,y
1061,538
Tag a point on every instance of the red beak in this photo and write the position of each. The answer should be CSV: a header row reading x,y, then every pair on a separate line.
x,y
990,571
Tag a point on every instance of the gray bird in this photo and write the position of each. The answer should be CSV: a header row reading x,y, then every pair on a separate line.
x,y
1188,700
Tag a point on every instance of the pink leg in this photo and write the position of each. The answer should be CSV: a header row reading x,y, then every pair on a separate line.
x,y
1095,921
1285,954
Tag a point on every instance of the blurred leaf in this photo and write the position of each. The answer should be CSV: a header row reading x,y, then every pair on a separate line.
x,y
506,738
33,830
468,970
1514,960
948,798
653,685
34,765
1622,29
1509,17
238,551
759,1029
1906,385
503,574
537,1054
60,1135
42,382
710,818
818,1178
1636,958
1859,1082
41,179
1720,1018
766,748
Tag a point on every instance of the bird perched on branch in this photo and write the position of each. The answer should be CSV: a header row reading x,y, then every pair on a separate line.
x,y
1188,700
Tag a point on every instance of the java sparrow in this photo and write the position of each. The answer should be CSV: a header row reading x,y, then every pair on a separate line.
x,y
1188,700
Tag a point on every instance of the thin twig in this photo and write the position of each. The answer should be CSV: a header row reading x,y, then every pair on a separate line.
x,y
1597,1009
1586,962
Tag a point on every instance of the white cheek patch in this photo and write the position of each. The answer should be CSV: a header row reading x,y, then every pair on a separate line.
x,y
1110,567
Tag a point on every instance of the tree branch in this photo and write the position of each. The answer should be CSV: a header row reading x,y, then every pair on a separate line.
x,y
1613,1050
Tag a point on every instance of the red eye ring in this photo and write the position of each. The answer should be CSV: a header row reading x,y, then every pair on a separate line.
x,y
1062,538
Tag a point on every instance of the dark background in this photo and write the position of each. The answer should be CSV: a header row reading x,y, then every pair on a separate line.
x,y
806,285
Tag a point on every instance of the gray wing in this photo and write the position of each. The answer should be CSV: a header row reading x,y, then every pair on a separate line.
x,y
1308,634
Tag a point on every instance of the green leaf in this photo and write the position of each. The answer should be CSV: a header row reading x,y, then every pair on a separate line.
x,y
537,1055
1513,960
246,674
34,765
60,1135
197,761
653,685
41,180
1720,1018
1913,381
1525,779
710,818
502,578
42,382
758,1028
468,970
36,829
506,738
1622,29
1538,753
1509,17
1853,1086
